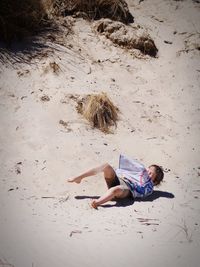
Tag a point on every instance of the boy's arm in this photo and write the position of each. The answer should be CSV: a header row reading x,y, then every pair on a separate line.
x,y
143,190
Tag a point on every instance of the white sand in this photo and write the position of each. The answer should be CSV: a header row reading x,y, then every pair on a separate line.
x,y
159,100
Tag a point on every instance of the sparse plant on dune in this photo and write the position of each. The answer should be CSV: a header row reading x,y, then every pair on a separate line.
x,y
99,110
19,19
22,18
96,9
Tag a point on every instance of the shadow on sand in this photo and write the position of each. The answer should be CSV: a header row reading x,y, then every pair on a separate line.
x,y
157,194
129,201
23,51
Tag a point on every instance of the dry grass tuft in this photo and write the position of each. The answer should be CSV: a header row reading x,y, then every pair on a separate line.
x,y
99,111
19,19
52,67
127,36
96,9
55,67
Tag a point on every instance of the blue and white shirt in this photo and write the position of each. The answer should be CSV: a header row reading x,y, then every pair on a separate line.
x,y
136,177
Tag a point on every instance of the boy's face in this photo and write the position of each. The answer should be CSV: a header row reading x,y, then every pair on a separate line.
x,y
152,172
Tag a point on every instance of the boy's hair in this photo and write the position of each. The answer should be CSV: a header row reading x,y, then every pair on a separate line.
x,y
159,174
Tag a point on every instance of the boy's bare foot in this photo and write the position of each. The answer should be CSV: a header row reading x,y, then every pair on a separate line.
x,y
74,180
94,204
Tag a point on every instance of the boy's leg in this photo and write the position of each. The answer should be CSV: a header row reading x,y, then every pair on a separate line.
x,y
109,174
114,192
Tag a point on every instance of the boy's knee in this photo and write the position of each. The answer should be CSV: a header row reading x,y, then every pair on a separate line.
x,y
107,166
117,191
108,170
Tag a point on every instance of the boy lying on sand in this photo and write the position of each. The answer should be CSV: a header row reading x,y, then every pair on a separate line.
x,y
131,179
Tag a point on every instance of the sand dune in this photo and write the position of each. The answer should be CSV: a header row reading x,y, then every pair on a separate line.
x,y
45,221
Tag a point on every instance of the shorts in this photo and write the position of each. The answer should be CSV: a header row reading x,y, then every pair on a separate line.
x,y
118,181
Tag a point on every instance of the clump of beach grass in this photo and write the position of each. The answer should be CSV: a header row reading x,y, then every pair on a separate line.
x,y
99,110
19,19
96,9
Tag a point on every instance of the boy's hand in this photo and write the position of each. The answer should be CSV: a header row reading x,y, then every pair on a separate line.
x,y
74,180
94,205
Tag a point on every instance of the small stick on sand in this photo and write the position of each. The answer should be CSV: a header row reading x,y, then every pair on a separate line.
x,y
75,232
47,197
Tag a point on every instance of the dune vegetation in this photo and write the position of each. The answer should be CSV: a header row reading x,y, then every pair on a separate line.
x,y
19,19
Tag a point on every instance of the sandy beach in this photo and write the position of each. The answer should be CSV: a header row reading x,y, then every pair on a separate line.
x,y
46,221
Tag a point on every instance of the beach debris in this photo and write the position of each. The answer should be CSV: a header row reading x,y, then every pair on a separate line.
x,y
11,95
53,67
167,42
99,111
44,98
11,189
22,73
150,138
185,229
17,167
127,36
47,197
96,9
69,97
75,232
191,43
25,96
147,221
141,233
63,199
158,19
65,124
